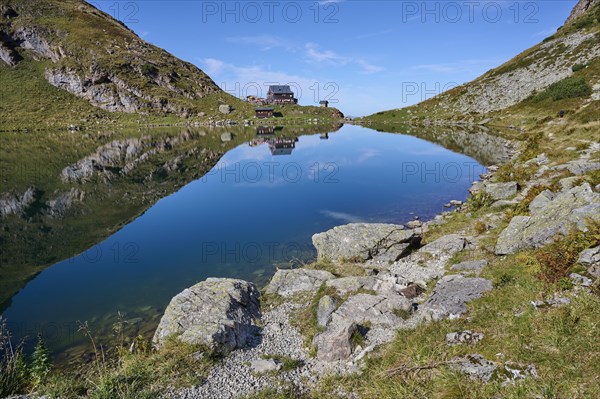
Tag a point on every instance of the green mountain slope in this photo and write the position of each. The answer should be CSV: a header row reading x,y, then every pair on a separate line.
x,y
67,62
561,73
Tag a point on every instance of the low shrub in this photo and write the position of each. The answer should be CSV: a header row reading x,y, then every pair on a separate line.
x,y
479,200
571,87
557,259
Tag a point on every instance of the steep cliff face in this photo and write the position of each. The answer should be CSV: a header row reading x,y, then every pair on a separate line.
x,y
581,7
95,57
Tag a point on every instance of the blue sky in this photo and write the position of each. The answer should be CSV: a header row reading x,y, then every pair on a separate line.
x,y
363,56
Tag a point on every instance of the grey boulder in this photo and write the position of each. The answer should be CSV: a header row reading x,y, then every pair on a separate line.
x,y
325,308
218,313
451,294
224,108
334,344
447,245
591,259
345,285
290,282
501,191
541,201
362,241
590,256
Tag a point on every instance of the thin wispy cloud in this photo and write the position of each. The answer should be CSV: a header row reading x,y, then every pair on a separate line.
x,y
264,42
314,55
374,34
544,33
470,66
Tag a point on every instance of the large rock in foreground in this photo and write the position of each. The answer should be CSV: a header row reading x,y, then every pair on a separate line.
x,y
218,313
362,241
567,210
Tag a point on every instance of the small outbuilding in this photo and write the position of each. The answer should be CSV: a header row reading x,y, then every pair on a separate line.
x,y
324,104
264,113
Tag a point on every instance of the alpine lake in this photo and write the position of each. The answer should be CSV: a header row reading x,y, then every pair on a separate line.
x,y
121,222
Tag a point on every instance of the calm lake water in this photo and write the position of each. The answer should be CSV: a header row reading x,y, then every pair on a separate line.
x,y
257,209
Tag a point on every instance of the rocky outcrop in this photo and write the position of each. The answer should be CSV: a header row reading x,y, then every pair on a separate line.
x,y
580,166
345,285
374,316
581,8
451,294
360,241
102,90
567,210
500,191
530,72
218,313
109,66
479,368
290,282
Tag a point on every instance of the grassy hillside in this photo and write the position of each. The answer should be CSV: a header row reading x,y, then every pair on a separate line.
x,y
64,62
561,73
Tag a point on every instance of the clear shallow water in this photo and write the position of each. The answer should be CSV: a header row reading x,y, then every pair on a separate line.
x,y
253,211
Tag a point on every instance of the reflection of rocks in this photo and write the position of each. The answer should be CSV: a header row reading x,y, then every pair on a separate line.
x,y
121,157
219,313
384,242
14,204
476,143
61,204
567,209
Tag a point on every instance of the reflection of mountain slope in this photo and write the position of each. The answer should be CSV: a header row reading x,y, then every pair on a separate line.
x,y
80,200
486,148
